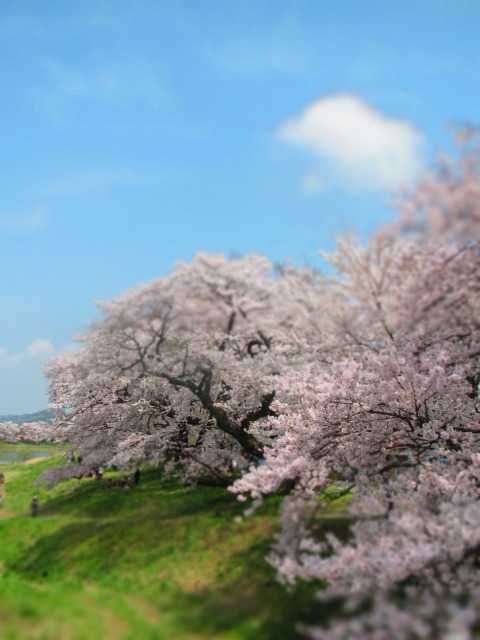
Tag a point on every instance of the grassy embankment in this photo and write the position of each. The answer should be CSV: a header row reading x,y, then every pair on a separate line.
x,y
153,562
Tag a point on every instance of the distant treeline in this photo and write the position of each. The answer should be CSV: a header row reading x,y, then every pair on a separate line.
x,y
39,416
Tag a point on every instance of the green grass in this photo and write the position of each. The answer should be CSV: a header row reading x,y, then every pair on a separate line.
x,y
155,562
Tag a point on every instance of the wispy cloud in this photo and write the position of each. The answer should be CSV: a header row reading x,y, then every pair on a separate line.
x,y
112,83
39,348
24,221
244,49
246,58
359,145
84,180
109,80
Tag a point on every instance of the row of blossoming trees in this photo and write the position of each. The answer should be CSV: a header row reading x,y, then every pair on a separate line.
x,y
364,380
38,431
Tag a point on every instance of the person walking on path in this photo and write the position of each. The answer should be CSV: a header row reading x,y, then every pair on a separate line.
x,y
34,506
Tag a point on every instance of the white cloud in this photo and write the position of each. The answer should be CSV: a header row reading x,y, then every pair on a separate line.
x,y
37,348
24,221
362,146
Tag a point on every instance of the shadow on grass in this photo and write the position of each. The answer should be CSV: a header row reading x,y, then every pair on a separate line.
x,y
148,539
244,598
253,603
109,528
97,499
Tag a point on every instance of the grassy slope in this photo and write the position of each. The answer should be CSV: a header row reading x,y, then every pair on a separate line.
x,y
154,562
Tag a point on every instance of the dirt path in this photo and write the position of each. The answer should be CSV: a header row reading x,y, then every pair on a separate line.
x,y
3,511
35,460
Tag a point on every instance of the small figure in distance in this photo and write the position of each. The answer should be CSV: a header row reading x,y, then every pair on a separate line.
x,y
34,506
136,476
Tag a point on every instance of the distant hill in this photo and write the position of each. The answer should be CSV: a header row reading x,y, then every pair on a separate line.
x,y
39,416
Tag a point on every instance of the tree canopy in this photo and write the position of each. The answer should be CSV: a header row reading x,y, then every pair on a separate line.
x,y
183,370
364,381
395,420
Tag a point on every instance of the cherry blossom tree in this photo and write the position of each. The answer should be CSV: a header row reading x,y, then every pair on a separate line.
x,y
29,432
395,420
183,370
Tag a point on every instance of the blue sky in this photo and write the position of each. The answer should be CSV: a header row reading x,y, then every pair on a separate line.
x,y
135,133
